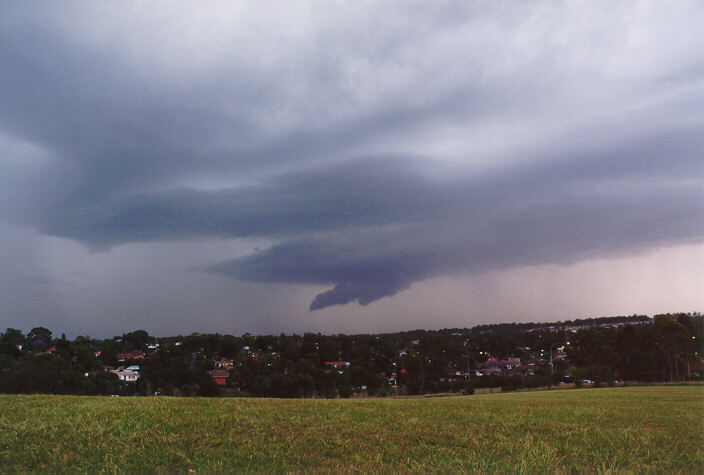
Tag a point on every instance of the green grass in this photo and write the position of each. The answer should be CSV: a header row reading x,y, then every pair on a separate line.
x,y
634,428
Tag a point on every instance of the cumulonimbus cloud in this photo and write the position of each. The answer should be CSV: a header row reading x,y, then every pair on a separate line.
x,y
466,225
374,152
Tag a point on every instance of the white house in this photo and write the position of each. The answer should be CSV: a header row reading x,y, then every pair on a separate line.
x,y
127,376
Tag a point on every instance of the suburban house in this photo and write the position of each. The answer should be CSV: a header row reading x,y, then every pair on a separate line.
x,y
224,363
494,366
220,376
530,366
125,375
136,355
514,366
513,362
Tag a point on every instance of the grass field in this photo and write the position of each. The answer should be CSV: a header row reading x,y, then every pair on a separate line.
x,y
638,428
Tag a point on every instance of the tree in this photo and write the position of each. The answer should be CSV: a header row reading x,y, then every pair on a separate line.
x,y
43,374
39,337
206,385
137,340
102,383
673,337
12,336
595,355
9,342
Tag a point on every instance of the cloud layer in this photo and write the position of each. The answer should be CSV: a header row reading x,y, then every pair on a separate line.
x,y
375,147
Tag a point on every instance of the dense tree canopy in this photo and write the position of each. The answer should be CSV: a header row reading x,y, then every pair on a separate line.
x,y
636,348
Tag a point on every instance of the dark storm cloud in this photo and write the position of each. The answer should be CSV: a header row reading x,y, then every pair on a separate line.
x,y
116,123
488,138
407,229
382,190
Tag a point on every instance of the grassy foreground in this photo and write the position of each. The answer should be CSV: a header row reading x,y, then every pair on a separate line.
x,y
639,428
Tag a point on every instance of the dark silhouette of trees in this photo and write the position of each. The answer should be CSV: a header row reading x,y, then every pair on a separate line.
x,y
636,348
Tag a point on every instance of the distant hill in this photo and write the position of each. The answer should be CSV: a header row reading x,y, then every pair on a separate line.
x,y
518,327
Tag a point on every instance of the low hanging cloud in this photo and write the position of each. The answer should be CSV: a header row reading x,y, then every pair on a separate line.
x,y
363,293
375,148
372,226
417,228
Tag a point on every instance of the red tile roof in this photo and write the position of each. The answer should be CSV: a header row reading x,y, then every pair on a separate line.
x,y
130,356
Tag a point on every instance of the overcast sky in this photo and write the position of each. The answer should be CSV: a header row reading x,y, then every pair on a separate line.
x,y
347,166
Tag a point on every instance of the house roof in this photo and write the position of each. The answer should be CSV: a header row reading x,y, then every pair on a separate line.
x,y
125,372
494,362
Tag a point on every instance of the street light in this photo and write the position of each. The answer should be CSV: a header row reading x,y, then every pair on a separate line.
x,y
551,368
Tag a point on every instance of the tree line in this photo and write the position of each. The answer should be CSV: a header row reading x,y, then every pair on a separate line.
x,y
630,348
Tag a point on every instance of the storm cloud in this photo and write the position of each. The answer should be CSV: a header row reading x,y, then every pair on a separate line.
x,y
373,226
367,148
472,224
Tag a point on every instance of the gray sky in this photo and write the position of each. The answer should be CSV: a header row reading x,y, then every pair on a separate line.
x,y
347,166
